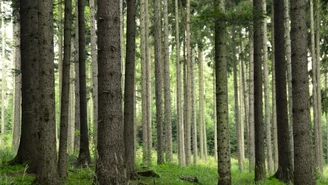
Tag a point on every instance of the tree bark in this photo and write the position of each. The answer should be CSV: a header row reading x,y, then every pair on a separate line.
x,y
64,109
3,78
129,99
193,112
224,165
84,152
304,172
201,101
77,133
260,171
110,162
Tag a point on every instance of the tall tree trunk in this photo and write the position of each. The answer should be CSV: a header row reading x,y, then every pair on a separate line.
x,y
250,128
304,172
60,46
47,155
201,101
129,99
18,81
193,112
188,90
27,151
71,114
258,116
215,117
3,78
84,152
274,107
284,171
64,109
167,89
267,94
180,129
236,98
158,82
224,165
243,98
110,163
77,124
94,67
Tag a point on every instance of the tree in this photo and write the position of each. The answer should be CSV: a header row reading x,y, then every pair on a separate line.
x,y
285,170
47,155
110,160
64,109
167,89
3,78
303,160
158,82
129,99
77,124
84,152
258,117
193,112
224,165
201,101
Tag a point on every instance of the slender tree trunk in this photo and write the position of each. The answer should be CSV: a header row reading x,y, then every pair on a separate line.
x,y
158,82
236,98
47,155
243,98
84,152
188,90
326,86
167,89
60,46
304,172
77,133
224,164
267,95
284,171
180,129
193,112
250,131
18,81
94,67
258,115
64,109
215,117
129,99
3,78
71,114
201,100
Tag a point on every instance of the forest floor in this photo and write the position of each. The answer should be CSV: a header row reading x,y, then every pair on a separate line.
x,y
169,174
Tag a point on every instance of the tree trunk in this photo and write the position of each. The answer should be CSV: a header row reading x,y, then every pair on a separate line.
x,y
94,67
215,117
284,171
84,152
201,101
243,99
250,131
304,172
77,133
18,81
266,94
236,98
180,129
129,99
158,82
71,114
224,164
258,116
3,78
47,155
27,151
110,162
193,112
64,109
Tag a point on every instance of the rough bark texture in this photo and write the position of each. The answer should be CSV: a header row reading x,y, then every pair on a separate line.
x,y
27,150
258,104
201,101
193,113
304,172
243,99
224,165
64,109
187,119
167,89
18,82
129,99
47,155
284,171
77,133
267,94
180,129
84,152
3,79
215,117
110,162
158,83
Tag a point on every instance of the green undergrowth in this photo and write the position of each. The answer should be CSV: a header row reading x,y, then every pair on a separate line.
x,y
169,174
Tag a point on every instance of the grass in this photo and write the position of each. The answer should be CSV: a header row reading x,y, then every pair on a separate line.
x,y
205,171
